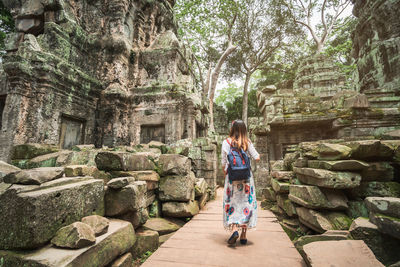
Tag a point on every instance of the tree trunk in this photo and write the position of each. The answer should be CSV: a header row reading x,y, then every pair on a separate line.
x,y
246,97
320,47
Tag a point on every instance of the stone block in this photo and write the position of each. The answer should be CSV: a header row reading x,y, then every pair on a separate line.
x,y
313,197
6,168
118,183
328,179
146,240
282,175
338,165
280,187
323,221
163,225
98,223
136,217
76,235
47,160
34,176
381,244
31,215
352,253
123,161
357,208
284,202
378,171
307,239
389,206
128,198
180,209
117,241
177,188
164,238
200,187
80,170
150,177
29,151
202,200
328,151
173,164
278,166
368,149
376,189
269,193
123,261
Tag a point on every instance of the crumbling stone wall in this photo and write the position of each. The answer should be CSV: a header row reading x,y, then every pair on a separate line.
x,y
102,68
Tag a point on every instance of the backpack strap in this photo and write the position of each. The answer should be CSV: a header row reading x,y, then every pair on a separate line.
x,y
227,140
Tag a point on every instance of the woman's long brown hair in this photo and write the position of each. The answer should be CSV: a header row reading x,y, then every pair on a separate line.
x,y
238,134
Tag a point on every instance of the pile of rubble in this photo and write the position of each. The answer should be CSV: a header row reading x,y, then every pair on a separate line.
x,y
326,190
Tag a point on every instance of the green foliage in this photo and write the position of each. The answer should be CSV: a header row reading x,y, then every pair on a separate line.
x,y
6,25
228,94
145,256
234,108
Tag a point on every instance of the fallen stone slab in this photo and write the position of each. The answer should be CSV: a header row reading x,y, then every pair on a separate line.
x,y
202,200
328,179
76,235
177,188
307,239
389,206
338,165
269,193
34,176
80,170
369,149
200,187
323,221
378,171
280,187
136,217
163,225
352,253
6,168
375,189
150,177
123,261
381,244
313,197
282,175
98,224
278,165
129,198
173,164
118,183
326,151
123,161
357,208
284,202
164,238
30,150
47,160
117,241
386,224
180,209
33,214
146,240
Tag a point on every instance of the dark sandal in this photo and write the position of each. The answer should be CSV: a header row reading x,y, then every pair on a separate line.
x,y
243,241
233,238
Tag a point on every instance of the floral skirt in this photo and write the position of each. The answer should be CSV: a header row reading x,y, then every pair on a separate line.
x,y
239,203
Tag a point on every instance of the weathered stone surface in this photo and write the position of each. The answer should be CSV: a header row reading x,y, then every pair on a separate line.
x,y
118,183
323,221
173,164
357,208
146,240
163,225
338,165
368,149
378,171
136,217
98,224
6,168
151,177
284,202
278,166
304,240
352,253
29,151
31,216
76,235
382,245
82,147
34,176
200,187
81,170
282,175
180,209
117,241
202,200
129,198
177,188
280,187
164,238
289,160
328,179
313,197
389,206
123,161
47,160
269,193
328,151
123,261
376,189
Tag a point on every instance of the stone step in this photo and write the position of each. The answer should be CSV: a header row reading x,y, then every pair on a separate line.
x,y
380,92
385,102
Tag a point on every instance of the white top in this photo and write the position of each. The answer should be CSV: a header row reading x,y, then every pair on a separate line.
x,y
225,150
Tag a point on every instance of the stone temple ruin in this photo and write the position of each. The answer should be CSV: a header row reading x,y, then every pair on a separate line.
x,y
332,170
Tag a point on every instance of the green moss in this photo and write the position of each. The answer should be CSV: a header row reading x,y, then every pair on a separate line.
x,y
387,217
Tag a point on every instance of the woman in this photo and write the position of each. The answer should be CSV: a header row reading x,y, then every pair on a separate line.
x,y
239,202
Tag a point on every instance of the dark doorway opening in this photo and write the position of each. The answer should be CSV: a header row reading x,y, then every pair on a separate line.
x,y
152,133
72,131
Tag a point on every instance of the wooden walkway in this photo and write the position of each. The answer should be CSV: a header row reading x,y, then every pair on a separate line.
x,y
202,242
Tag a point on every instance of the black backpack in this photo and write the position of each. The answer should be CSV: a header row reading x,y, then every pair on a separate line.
x,y
239,164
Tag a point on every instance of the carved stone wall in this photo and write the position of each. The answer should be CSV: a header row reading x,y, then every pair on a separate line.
x,y
115,66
